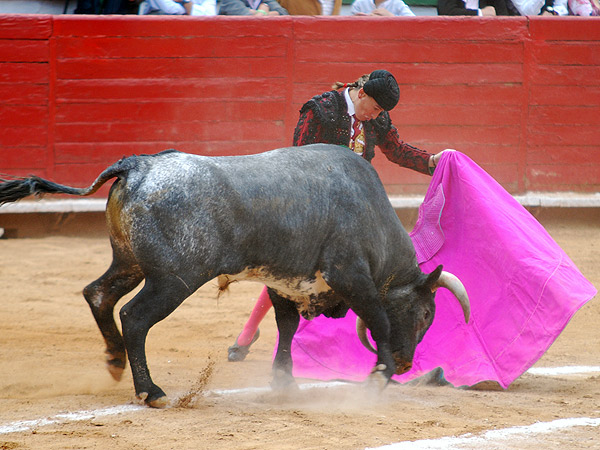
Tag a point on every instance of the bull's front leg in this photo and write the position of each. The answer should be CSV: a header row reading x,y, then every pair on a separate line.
x,y
287,318
385,367
376,321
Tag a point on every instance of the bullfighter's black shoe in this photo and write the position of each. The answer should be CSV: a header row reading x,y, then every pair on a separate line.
x,y
433,378
239,352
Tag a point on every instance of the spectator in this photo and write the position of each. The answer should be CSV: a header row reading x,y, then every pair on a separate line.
x,y
380,8
473,8
539,8
179,7
578,7
312,7
98,7
251,8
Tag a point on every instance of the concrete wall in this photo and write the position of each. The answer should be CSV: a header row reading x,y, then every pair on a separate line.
x,y
519,95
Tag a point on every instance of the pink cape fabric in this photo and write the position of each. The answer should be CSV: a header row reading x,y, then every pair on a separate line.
x,y
523,289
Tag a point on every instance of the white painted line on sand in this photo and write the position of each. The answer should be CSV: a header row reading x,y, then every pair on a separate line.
x,y
258,390
491,439
566,370
25,425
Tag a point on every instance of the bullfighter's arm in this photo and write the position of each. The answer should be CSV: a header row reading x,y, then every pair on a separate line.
x,y
403,154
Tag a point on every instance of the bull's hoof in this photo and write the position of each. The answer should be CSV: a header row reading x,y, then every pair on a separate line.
x,y
377,380
433,378
283,382
160,402
115,367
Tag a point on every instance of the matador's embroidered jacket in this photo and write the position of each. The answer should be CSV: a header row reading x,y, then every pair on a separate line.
x,y
324,119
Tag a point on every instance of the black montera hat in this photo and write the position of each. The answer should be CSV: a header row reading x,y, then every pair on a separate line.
x,y
382,86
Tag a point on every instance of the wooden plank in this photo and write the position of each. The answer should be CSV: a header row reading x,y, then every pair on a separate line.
x,y
171,47
459,115
577,177
168,68
462,94
17,136
171,131
455,137
563,155
25,26
23,94
565,28
543,75
170,88
347,28
429,74
550,134
156,25
110,152
410,51
565,95
22,158
18,50
566,53
24,72
169,111
23,116
565,115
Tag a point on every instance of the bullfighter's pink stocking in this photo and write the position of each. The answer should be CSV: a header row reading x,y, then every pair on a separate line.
x,y
261,308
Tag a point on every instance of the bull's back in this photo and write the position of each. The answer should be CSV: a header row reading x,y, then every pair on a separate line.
x,y
272,205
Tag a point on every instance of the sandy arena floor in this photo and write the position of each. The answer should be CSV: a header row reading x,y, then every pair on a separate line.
x,y
53,370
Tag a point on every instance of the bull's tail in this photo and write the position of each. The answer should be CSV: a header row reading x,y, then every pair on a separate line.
x,y
19,188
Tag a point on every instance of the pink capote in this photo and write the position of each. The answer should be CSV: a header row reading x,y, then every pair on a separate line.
x,y
523,289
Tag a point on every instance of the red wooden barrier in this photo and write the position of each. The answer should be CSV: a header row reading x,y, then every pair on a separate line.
x,y
519,95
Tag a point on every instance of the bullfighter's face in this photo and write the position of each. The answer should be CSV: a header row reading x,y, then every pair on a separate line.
x,y
365,107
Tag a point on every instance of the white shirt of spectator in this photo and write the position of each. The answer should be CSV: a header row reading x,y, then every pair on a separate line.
x,y
396,7
326,7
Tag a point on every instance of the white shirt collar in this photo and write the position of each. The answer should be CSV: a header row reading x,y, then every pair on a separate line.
x,y
349,101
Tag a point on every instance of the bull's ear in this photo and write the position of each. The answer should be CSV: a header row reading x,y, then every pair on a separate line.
x,y
431,282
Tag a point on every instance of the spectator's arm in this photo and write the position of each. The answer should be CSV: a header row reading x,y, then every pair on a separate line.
x,y
234,8
561,7
401,9
275,6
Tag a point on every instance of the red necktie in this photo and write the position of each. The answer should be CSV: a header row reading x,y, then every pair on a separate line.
x,y
355,128
355,133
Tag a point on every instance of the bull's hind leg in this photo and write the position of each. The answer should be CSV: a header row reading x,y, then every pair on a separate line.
x,y
102,295
158,298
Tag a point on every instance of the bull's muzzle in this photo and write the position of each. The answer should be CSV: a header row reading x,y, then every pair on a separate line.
x,y
402,366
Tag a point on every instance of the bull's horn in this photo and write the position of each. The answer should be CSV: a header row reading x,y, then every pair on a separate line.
x,y
454,285
361,330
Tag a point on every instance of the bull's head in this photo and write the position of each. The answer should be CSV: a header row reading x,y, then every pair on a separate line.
x,y
410,310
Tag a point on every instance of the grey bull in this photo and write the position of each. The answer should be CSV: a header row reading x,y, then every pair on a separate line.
x,y
313,223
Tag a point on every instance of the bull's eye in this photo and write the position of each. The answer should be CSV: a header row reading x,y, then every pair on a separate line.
x,y
427,315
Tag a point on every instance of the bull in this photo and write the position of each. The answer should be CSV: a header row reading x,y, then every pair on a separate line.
x,y
312,223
